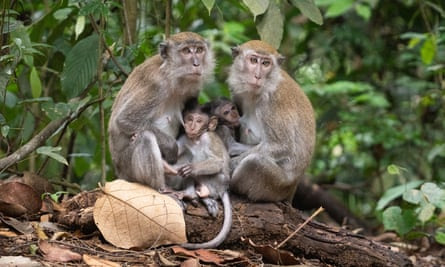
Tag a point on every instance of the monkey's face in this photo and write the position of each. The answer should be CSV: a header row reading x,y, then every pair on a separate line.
x,y
229,114
192,58
195,124
258,67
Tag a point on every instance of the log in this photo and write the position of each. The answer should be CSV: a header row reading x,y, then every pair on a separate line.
x,y
265,224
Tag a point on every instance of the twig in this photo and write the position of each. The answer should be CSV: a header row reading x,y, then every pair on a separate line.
x,y
320,209
168,11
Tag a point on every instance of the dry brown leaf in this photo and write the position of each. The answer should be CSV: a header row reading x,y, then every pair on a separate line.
x,y
192,262
273,255
202,254
96,261
130,215
22,227
55,253
15,196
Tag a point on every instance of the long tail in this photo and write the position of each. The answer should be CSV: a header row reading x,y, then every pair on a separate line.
x,y
223,233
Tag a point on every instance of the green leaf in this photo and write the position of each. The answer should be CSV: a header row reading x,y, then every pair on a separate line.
x,y
80,66
271,25
346,87
36,84
52,153
402,222
5,131
56,111
428,50
426,212
440,236
413,196
80,26
309,9
393,169
363,11
257,7
338,8
396,192
62,13
433,193
208,4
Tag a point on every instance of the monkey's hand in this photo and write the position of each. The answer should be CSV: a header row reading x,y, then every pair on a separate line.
x,y
186,170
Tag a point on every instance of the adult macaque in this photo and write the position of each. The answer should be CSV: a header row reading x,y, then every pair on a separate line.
x,y
277,113
207,175
146,114
228,125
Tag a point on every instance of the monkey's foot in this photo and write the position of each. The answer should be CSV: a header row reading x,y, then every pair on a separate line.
x,y
212,206
202,191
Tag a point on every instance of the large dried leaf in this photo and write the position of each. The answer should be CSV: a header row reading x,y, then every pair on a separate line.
x,y
18,198
130,215
57,253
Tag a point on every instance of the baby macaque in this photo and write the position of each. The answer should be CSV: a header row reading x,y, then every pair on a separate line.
x,y
228,128
204,167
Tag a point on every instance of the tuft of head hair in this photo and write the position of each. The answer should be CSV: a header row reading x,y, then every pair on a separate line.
x,y
260,47
186,37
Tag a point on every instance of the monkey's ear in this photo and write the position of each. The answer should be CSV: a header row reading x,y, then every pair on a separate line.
x,y
213,122
235,51
280,59
163,47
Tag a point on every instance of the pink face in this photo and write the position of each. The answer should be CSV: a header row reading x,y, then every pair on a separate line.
x,y
193,56
229,113
195,124
258,67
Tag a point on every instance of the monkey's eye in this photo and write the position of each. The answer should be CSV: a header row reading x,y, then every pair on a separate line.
x,y
253,60
266,63
226,112
186,50
199,50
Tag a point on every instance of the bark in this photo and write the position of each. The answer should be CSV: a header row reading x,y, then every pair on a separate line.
x,y
265,224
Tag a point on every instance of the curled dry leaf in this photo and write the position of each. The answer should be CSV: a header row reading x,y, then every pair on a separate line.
x,y
18,198
273,255
130,215
56,253
96,261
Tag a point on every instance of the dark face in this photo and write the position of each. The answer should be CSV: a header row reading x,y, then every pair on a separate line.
x,y
195,124
229,114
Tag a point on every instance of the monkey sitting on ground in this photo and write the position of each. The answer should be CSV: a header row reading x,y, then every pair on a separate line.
x,y
146,114
206,175
279,114
228,128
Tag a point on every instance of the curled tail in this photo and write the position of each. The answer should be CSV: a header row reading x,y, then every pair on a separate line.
x,y
223,233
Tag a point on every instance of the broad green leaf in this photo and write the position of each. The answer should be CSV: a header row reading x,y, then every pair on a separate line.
x,y
208,4
309,9
413,196
363,11
396,192
80,66
80,26
393,169
428,50
400,221
426,212
433,193
56,111
271,25
52,153
338,8
36,84
440,236
5,131
438,150
257,7
62,13
413,42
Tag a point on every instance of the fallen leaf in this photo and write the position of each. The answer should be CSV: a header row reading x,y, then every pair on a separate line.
x,y
164,261
96,261
56,253
40,233
22,227
130,215
202,254
192,262
273,255
15,196
7,233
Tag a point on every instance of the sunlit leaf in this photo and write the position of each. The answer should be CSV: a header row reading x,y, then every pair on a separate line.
x,y
440,236
257,7
5,130
62,14
36,84
426,212
428,50
80,66
271,26
80,26
52,153
433,193
363,11
413,196
56,111
208,4
400,221
338,8
396,192
309,9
